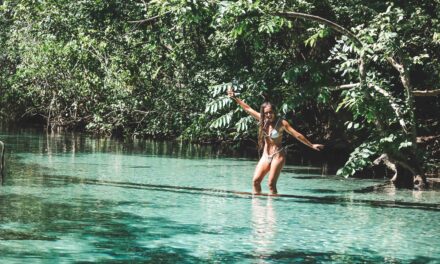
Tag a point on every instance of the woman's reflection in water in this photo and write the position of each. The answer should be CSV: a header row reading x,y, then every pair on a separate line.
x,y
263,225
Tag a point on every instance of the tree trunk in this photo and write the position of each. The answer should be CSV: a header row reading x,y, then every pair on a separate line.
x,y
405,178
419,177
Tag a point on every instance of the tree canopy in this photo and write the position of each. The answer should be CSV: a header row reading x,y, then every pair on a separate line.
x,y
363,72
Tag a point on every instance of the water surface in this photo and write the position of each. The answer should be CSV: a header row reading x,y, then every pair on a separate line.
x,y
75,199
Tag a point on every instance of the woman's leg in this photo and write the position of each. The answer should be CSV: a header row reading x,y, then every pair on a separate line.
x,y
275,170
260,171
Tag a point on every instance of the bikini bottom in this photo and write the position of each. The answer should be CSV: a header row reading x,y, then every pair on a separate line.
x,y
269,158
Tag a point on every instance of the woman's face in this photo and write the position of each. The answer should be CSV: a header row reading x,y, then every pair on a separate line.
x,y
269,115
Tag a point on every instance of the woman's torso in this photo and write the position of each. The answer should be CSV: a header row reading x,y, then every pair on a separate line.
x,y
273,138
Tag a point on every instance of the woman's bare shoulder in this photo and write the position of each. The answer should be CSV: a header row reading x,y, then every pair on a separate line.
x,y
286,125
284,122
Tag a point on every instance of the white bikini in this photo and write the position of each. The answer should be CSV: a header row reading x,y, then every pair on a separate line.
x,y
274,134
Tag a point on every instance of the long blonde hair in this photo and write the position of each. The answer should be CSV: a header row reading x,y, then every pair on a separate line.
x,y
262,124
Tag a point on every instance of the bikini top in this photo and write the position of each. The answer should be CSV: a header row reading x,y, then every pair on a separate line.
x,y
274,134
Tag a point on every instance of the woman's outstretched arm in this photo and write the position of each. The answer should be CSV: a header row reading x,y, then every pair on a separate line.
x,y
300,137
243,105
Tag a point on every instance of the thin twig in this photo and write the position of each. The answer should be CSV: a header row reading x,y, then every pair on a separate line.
x,y
148,20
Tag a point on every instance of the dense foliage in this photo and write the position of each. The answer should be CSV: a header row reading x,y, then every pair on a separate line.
x,y
160,68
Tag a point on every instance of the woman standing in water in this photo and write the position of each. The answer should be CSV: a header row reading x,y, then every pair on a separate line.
x,y
270,135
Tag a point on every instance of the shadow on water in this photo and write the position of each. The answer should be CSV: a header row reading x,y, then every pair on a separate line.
x,y
302,170
20,235
50,180
325,191
172,255
302,256
304,177
384,187
115,234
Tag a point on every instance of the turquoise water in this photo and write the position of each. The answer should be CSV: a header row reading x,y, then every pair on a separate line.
x,y
74,199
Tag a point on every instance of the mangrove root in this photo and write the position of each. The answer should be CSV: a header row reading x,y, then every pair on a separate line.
x,y
390,165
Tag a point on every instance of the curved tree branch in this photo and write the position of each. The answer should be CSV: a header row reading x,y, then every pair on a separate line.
x,y
329,23
362,68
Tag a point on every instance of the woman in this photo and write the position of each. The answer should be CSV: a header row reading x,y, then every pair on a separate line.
x,y
270,135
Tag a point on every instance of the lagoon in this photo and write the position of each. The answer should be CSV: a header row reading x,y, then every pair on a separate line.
x,y
70,198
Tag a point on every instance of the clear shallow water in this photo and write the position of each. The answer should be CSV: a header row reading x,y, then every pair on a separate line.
x,y
75,199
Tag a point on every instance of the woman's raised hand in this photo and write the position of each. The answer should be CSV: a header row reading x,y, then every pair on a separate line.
x,y
231,93
317,147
